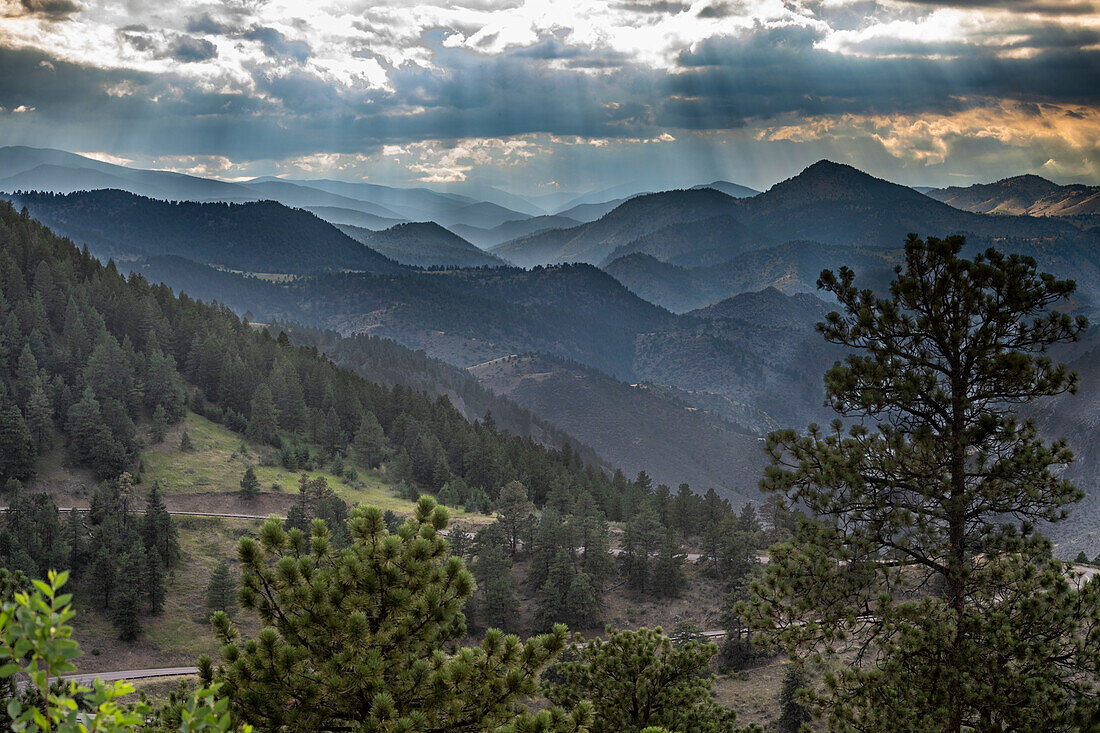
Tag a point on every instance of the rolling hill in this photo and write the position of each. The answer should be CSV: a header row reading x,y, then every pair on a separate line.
x,y
501,233
792,267
696,243
422,244
1028,195
837,204
674,442
253,237
636,217
43,169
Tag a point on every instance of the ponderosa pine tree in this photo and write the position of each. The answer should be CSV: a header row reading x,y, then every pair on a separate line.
x,y
641,540
638,679
369,444
221,591
515,508
16,444
390,604
158,531
962,618
263,421
158,430
250,485
668,571
154,588
793,712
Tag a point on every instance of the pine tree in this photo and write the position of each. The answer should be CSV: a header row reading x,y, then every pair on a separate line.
x,y
263,422
552,601
514,508
400,604
39,417
127,615
250,485
75,534
16,445
186,445
158,530
330,435
926,506
497,606
639,679
668,572
154,589
133,568
585,601
158,431
793,712
368,446
642,539
221,591
102,575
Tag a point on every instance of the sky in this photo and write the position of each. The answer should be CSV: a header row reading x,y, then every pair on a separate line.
x,y
550,96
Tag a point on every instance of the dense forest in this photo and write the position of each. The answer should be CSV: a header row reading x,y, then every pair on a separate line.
x,y
88,356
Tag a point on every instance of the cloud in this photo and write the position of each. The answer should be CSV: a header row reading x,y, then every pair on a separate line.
x,y
276,45
1045,7
52,9
205,23
189,49
260,81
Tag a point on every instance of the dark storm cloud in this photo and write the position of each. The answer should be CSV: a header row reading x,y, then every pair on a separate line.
x,y
721,85
667,7
277,46
53,9
779,71
207,24
188,49
1046,7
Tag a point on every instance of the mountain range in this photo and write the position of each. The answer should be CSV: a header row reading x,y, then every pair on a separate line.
x,y
1022,195
688,322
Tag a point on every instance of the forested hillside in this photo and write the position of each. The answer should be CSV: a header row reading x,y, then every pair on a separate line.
x,y
262,236
87,354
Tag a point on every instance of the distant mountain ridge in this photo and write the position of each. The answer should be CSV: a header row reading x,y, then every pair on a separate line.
x,y
634,218
422,244
262,236
830,203
1022,195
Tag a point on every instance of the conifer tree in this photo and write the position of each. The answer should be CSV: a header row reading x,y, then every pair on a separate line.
x,y
75,534
158,530
39,417
250,485
639,679
16,445
263,423
369,444
642,538
515,508
923,550
158,431
584,601
668,572
154,589
552,601
792,711
397,608
221,591
102,576
186,445
133,568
